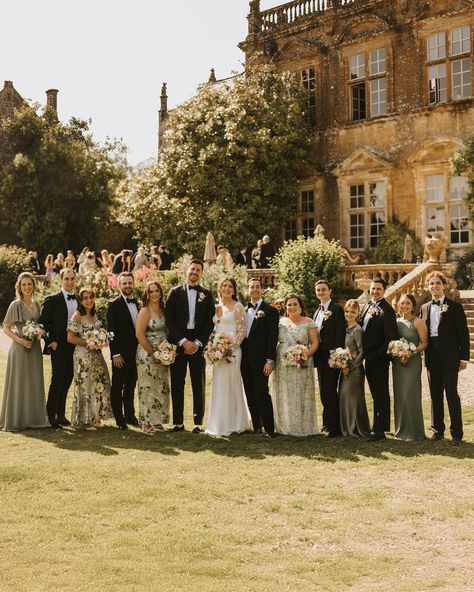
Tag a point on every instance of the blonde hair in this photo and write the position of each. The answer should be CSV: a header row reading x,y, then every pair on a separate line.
x,y
22,276
353,303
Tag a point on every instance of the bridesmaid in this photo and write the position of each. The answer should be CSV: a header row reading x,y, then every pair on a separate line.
x,y
153,378
353,409
407,378
24,403
49,265
91,402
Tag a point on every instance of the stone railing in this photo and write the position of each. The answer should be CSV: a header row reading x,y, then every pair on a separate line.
x,y
266,276
354,275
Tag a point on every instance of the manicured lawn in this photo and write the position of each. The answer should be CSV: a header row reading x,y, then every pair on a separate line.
x,y
128,512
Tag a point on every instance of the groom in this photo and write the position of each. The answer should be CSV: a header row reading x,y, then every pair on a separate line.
x,y
258,357
189,313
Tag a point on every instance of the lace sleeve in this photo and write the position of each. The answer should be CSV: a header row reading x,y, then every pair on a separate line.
x,y
241,323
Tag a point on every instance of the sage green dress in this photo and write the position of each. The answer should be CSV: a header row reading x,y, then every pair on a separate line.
x,y
153,379
407,389
91,401
24,404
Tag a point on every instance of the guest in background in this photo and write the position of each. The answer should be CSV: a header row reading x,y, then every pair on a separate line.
x,y
407,377
155,258
353,409
106,260
23,403
255,256
89,264
243,258
153,377
140,260
166,258
49,265
224,258
81,258
267,251
123,262
58,263
34,263
70,260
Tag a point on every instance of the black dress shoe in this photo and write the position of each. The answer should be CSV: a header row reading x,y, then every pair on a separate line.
x,y
64,422
437,436
376,437
122,426
333,435
271,435
197,430
133,421
55,425
177,429
456,441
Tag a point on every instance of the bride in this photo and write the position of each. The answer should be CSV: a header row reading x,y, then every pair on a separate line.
x,y
228,411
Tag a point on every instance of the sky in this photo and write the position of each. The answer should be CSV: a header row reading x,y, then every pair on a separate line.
x,y
109,58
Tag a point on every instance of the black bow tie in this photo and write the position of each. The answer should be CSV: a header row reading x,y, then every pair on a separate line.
x,y
131,300
436,302
250,305
192,287
71,297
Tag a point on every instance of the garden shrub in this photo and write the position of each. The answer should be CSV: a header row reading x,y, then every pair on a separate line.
x,y
13,260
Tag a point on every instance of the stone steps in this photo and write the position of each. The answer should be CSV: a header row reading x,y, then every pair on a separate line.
x,y
468,305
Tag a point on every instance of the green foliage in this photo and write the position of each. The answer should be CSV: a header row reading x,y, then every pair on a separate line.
x,y
461,274
300,263
391,242
463,164
59,180
229,165
13,260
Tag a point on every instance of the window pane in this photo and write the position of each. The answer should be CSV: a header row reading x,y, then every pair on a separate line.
x,y
458,188
378,97
437,47
435,220
290,230
356,228
377,61
459,225
308,227
435,188
357,66
460,40
462,88
359,103
356,197
437,84
377,223
307,202
308,80
377,195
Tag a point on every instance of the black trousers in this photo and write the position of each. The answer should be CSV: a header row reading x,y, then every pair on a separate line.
x,y
328,379
444,380
123,390
258,397
376,372
62,370
197,367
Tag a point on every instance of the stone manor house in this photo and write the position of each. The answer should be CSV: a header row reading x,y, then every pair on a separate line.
x,y
391,99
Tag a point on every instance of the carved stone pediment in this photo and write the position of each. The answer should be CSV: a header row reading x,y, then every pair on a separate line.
x,y
362,26
297,48
436,150
433,8
362,160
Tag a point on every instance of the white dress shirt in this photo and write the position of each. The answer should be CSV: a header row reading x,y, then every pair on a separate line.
x,y
368,316
435,317
251,312
71,304
132,307
319,320
192,295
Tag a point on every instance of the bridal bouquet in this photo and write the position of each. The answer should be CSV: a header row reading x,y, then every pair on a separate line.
x,y
166,353
33,331
220,348
296,356
98,338
341,358
401,349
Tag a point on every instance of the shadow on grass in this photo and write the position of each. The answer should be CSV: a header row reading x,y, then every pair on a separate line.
x,y
110,441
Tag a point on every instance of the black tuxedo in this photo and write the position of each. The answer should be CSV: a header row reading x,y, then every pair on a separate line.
x,y
257,348
267,251
332,334
124,343
380,330
54,318
165,261
442,358
177,317
242,259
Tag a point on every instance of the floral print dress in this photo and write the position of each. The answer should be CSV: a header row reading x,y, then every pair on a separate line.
x,y
153,379
91,381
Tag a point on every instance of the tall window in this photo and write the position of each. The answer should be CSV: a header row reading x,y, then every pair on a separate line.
x,y
308,80
368,84
446,211
367,214
449,67
303,220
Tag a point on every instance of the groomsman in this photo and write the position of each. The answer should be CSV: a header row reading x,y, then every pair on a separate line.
x,y
121,320
258,357
379,324
330,321
55,316
447,354
189,313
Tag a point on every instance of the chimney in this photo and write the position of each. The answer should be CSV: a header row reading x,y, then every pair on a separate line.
x,y
163,101
52,99
8,84
212,77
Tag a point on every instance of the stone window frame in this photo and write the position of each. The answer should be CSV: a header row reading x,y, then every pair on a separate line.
x,y
359,242
311,88
444,89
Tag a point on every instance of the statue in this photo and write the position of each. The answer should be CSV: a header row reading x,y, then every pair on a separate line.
x,y
435,248
319,231
408,249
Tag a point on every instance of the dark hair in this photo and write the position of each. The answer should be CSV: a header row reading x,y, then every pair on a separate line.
x,y
411,298
125,274
300,302
80,307
22,276
227,278
146,294
196,262
323,282
437,274
379,280
255,279
353,303
65,270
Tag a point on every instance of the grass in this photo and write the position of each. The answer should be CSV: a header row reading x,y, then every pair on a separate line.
x,y
128,512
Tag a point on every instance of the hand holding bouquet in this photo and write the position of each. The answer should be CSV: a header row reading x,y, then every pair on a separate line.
x,y
401,349
166,353
97,338
220,348
341,358
32,331
296,356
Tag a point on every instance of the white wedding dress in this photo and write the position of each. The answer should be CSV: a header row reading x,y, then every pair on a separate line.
x,y
228,411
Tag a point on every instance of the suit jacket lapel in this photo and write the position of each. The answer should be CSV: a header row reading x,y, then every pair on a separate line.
x,y
185,302
254,321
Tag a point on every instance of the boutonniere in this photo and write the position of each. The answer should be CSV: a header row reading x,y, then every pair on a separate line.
x,y
444,308
260,314
201,296
374,310
327,315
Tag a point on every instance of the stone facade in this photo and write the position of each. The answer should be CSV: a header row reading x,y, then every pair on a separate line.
x,y
390,94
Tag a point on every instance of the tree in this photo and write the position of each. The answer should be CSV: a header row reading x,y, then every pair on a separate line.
x,y
463,163
391,243
56,184
230,164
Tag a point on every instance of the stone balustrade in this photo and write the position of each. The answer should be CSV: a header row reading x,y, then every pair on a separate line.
x,y
390,272
267,277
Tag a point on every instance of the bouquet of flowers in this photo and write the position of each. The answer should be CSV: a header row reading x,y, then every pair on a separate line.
x,y
97,338
220,348
341,358
401,349
33,331
296,356
166,353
